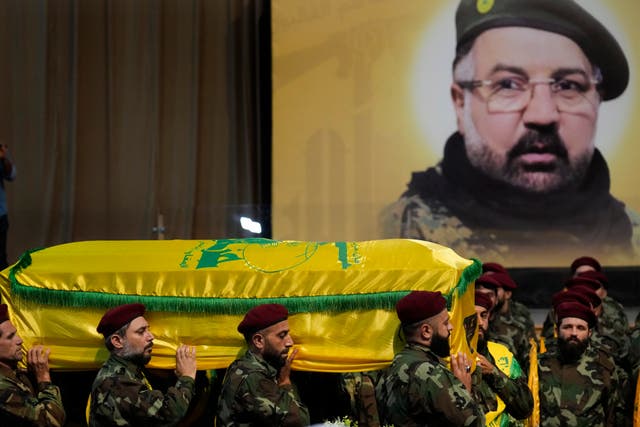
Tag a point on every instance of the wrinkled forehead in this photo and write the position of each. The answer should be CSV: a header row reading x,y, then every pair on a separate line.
x,y
535,52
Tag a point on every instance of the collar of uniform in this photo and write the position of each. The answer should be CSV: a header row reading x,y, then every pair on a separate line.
x,y
424,349
6,371
259,360
19,377
128,365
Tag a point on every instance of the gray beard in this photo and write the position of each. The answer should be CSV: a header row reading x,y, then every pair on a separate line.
x,y
563,174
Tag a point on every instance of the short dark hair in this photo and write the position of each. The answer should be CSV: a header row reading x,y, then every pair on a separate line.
x,y
120,332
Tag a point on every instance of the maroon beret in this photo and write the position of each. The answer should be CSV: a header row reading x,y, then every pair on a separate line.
x,y
484,300
575,309
261,317
582,281
587,292
585,260
420,305
597,275
487,280
4,313
506,282
493,267
119,316
570,295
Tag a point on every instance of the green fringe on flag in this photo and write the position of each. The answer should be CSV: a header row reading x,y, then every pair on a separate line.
x,y
231,306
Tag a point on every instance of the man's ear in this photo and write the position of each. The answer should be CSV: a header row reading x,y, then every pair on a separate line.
x,y
426,330
258,340
457,97
117,341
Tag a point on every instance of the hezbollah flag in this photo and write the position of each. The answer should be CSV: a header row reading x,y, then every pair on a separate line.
x,y
341,296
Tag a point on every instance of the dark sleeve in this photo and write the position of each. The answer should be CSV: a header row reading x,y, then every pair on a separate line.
x,y
45,409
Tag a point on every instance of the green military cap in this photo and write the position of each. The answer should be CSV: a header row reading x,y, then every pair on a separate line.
x,y
564,17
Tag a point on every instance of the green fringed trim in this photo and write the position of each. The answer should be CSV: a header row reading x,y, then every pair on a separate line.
x,y
468,275
306,304
23,262
295,304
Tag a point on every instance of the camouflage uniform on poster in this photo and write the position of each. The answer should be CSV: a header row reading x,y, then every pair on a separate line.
x,y
251,396
419,390
22,404
121,395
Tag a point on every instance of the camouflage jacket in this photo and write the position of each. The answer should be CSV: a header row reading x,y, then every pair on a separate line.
x,y
514,329
512,389
634,349
251,396
588,392
418,390
121,395
22,405
359,387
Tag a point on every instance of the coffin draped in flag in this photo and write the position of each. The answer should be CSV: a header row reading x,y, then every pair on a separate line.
x,y
341,296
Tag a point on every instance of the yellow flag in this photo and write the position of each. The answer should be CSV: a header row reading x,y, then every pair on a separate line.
x,y
534,386
341,296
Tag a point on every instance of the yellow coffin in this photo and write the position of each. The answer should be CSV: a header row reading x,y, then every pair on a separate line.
x,y
341,296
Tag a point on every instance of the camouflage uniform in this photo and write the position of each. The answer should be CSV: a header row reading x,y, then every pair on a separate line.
x,y
514,329
22,405
634,352
614,325
359,387
251,396
418,390
586,393
121,395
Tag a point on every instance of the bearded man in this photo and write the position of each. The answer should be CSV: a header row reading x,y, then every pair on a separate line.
x,y
521,178
121,394
418,389
579,385
257,388
499,385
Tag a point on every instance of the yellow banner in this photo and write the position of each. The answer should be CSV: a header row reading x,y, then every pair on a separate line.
x,y
341,296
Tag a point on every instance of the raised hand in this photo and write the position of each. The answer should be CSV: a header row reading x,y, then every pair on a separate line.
x,y
38,363
186,365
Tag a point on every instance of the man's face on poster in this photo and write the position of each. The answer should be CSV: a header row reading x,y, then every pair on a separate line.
x,y
543,146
